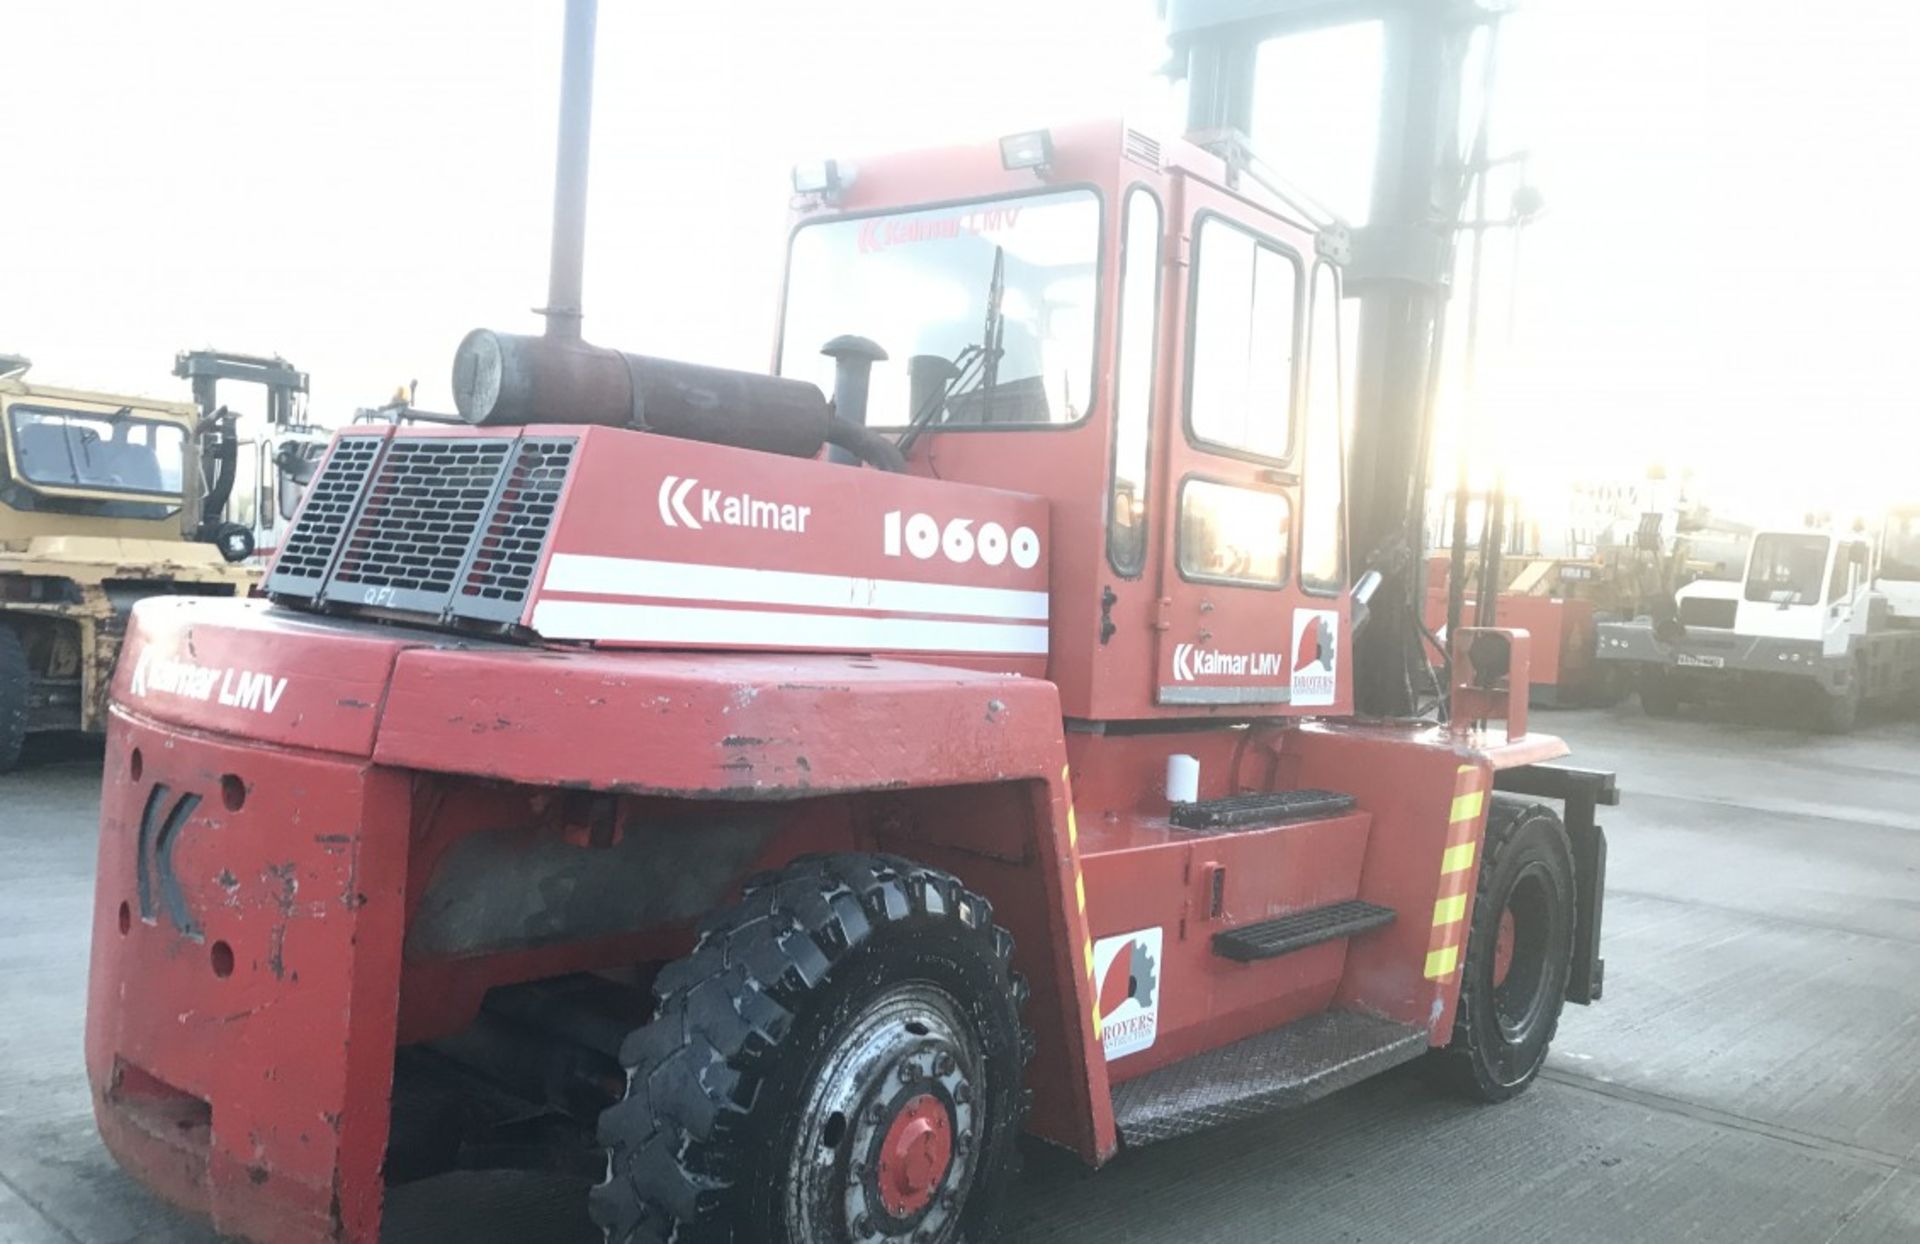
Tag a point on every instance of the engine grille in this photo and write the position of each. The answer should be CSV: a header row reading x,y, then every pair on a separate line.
x,y
331,500
448,526
1708,611
417,522
501,571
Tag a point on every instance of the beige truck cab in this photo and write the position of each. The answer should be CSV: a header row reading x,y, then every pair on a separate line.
x,y
92,494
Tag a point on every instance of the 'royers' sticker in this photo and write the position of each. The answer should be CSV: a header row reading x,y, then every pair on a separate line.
x,y
1127,968
1316,657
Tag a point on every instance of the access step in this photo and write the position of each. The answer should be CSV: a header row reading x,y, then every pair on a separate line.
x,y
1290,1066
1284,934
1264,808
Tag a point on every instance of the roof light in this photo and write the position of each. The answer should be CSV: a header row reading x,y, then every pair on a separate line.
x,y
826,178
1033,149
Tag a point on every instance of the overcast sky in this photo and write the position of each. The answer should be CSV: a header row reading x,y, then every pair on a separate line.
x,y
1725,277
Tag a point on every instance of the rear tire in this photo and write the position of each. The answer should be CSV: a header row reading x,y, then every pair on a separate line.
x,y
839,1059
1513,984
1658,696
16,685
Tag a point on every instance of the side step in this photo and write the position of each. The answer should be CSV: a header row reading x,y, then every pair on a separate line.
x,y
1264,808
1270,939
1290,1066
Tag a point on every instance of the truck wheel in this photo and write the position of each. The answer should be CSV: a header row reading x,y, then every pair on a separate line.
x,y
16,682
839,1059
1519,953
1658,696
1840,713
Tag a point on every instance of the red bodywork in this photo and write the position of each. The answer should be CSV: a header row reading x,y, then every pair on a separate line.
x,y
322,838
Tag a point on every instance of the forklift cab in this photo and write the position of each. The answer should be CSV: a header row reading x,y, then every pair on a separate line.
x,y
1135,331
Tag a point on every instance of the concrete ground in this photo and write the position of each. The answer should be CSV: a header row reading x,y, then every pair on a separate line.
x,y
1753,1074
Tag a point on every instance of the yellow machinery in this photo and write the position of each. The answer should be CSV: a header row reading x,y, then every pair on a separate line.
x,y
101,504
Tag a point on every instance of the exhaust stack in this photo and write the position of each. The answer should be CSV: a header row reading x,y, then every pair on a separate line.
x,y
558,377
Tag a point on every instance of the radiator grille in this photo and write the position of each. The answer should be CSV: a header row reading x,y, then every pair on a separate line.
x,y
1708,611
507,554
302,564
410,539
452,527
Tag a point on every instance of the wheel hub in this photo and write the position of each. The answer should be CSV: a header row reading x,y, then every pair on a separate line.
x,y
914,1155
1503,949
890,1136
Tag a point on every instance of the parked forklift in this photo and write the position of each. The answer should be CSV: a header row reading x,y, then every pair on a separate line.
x,y
104,501
771,807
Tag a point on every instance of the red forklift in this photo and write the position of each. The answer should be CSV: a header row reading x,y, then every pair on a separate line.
x,y
773,807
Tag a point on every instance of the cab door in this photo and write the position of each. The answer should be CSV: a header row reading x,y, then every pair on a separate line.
x,y
1242,620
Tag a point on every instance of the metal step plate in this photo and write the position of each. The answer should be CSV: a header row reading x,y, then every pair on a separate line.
x,y
1265,808
1289,1066
1271,938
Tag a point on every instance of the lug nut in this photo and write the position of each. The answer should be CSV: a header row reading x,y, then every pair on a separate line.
x,y
876,1113
962,1093
907,1073
945,1064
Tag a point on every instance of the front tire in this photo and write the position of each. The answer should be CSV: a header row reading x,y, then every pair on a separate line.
x,y
1658,695
16,686
839,1060
1839,712
1513,984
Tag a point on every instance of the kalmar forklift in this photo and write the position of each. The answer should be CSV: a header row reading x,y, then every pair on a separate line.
x,y
794,801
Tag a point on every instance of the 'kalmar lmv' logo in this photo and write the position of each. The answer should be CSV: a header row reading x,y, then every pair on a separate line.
x,y
236,688
726,509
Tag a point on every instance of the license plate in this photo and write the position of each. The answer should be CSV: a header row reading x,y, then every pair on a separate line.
x,y
1705,663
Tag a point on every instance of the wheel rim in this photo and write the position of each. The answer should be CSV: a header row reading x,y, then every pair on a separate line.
x,y
890,1132
1520,954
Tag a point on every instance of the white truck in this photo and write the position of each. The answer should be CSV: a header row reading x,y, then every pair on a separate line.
x,y
1812,612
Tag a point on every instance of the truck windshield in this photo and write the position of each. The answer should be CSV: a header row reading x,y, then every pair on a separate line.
x,y
101,451
1000,294
1900,556
1787,569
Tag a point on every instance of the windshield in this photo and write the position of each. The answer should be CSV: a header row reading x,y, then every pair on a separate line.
x,y
995,300
1787,570
1900,558
100,451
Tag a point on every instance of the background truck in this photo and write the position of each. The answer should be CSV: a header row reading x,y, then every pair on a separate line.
x,y
1618,554
1810,617
771,808
101,506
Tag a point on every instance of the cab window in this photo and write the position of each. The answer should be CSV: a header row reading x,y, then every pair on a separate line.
x,y
1322,525
1240,368
1234,535
1133,382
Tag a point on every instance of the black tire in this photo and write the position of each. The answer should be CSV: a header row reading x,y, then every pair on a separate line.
x,y
835,953
1839,712
1503,1025
1658,695
16,684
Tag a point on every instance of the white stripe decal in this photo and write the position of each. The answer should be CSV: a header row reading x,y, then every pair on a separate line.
x,y
676,624
623,576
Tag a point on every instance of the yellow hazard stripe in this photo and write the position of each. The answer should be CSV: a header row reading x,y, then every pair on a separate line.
x,y
1073,829
1441,962
1087,946
1467,807
1449,910
1080,891
1457,859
